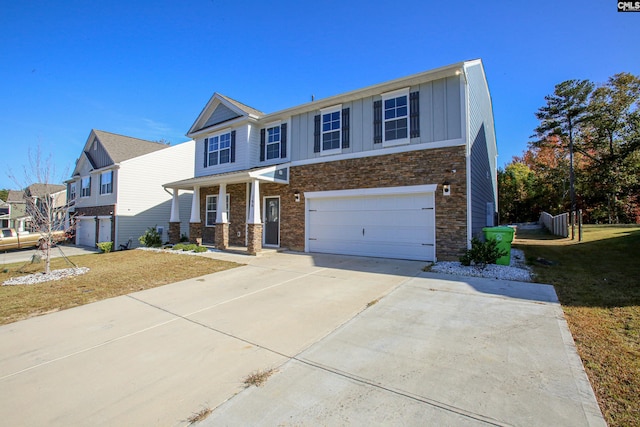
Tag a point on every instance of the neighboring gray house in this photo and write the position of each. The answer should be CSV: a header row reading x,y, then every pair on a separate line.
x,y
19,216
116,188
5,214
18,210
401,169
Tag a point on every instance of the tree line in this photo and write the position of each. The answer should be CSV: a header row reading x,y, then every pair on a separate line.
x,y
585,154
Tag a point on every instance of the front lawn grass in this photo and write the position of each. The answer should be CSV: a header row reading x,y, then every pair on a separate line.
x,y
111,274
598,285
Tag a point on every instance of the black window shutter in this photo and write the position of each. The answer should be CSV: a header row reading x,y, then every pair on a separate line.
x,y
345,128
89,192
377,122
283,140
414,115
316,134
262,144
206,149
233,146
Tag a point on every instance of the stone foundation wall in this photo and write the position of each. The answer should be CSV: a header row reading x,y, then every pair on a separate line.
x,y
425,167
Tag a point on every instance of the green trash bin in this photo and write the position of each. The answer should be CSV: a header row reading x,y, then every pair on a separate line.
x,y
504,237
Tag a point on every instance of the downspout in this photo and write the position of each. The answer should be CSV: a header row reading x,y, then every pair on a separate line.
x,y
467,116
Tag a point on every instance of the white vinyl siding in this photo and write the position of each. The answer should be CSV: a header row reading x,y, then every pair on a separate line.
x,y
142,202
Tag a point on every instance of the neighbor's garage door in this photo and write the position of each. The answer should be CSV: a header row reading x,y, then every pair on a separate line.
x,y
394,225
86,232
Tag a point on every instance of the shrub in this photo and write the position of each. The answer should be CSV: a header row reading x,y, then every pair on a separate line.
x,y
482,253
151,238
105,247
184,238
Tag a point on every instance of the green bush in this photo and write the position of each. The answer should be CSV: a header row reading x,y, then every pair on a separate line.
x,y
151,238
184,238
105,247
482,253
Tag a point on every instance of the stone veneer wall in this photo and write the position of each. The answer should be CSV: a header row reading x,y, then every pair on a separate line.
x,y
237,213
432,166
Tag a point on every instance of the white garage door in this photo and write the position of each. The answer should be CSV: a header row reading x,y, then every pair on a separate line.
x,y
104,232
86,232
386,223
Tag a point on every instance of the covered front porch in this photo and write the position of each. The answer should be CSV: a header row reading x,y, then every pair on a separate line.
x,y
230,210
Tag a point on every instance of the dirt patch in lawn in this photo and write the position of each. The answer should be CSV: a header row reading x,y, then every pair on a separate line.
x,y
110,275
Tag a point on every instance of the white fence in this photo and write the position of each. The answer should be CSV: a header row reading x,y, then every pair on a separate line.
x,y
558,225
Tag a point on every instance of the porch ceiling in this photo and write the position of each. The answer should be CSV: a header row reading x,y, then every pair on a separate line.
x,y
276,173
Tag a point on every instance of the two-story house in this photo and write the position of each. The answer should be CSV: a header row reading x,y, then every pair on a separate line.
x,y
401,169
23,204
116,189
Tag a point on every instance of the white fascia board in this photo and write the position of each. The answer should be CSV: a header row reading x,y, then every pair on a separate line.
x,y
369,192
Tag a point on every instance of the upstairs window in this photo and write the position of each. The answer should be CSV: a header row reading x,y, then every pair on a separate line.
x,y
273,142
396,117
331,131
106,182
219,149
72,191
85,187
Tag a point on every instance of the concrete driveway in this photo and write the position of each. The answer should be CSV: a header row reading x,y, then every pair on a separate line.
x,y
432,350
24,255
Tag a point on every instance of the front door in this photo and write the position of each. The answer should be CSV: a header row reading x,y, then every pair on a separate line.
x,y
272,221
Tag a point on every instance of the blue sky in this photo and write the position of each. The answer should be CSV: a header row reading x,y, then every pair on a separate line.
x,y
146,69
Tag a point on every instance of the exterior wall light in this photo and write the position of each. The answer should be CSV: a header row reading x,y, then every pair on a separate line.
x,y
446,188
296,196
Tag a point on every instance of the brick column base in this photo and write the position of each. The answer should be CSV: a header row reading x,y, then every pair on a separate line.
x,y
222,236
195,233
254,238
174,232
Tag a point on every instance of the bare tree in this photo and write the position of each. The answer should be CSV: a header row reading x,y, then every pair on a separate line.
x,y
46,202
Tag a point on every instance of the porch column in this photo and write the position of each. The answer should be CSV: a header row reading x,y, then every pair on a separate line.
x,y
174,220
195,223
175,207
222,221
254,221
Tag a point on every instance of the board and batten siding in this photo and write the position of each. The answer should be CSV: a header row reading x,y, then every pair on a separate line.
x,y
142,201
440,120
483,150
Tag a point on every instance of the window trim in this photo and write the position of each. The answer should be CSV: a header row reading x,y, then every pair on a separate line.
x,y
266,140
214,212
109,189
208,142
323,112
385,97
83,193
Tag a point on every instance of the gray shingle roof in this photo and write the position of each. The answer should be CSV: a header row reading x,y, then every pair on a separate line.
x,y
120,147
